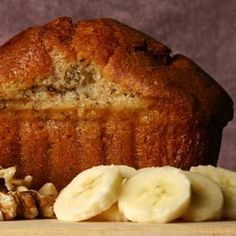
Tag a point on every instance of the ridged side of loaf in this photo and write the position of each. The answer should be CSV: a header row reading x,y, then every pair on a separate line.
x,y
55,148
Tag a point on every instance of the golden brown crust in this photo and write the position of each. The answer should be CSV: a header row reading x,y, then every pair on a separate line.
x,y
22,60
181,126
125,56
144,66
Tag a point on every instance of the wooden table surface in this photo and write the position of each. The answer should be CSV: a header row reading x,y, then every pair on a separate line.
x,y
57,228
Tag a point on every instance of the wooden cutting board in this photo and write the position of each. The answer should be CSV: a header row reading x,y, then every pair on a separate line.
x,y
57,228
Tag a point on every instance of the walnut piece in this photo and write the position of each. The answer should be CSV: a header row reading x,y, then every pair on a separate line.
x,y
45,205
18,200
27,182
8,174
21,189
10,182
27,208
8,206
48,189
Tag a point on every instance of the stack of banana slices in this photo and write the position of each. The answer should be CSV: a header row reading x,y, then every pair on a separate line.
x,y
156,194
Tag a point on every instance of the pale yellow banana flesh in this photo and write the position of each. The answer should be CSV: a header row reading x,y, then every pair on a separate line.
x,y
206,199
112,214
148,195
93,191
226,179
155,195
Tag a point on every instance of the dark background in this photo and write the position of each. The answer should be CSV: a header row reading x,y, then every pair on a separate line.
x,y
204,30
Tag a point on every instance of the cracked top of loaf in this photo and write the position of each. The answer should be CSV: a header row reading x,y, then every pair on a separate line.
x,y
103,62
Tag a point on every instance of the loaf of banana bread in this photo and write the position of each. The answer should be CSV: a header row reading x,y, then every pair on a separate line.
x,y
73,96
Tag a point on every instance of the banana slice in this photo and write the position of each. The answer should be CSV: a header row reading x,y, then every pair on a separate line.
x,y
90,193
155,195
146,168
126,171
113,214
206,199
226,179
